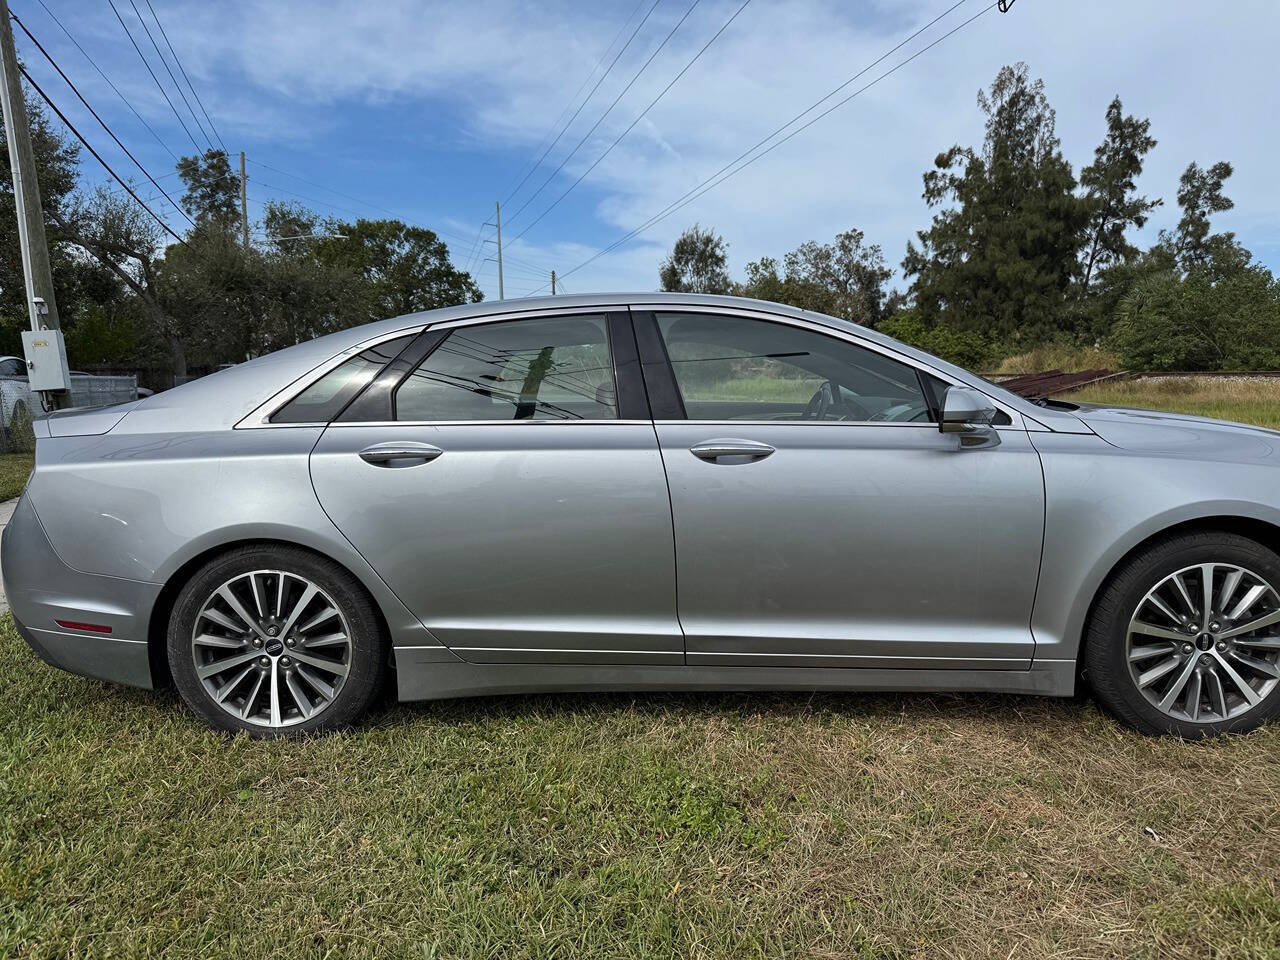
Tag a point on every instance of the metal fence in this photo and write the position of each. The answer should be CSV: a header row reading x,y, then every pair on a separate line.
x,y
18,404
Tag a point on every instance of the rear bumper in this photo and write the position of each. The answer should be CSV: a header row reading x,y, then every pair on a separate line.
x,y
42,590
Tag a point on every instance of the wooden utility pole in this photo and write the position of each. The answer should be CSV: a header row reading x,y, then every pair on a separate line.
x,y
497,211
244,201
42,306
553,283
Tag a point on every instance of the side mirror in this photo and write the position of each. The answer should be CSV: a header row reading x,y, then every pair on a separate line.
x,y
966,411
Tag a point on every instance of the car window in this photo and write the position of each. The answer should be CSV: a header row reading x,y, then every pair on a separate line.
x,y
12,368
740,368
551,368
326,398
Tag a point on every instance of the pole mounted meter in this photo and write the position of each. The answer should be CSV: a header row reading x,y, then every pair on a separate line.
x,y
46,360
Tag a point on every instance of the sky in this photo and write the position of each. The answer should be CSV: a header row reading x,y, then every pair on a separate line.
x,y
433,112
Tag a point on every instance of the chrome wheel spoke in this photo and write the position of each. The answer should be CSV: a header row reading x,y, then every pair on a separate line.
x,y
1206,585
1151,630
332,666
1192,705
252,653
1161,669
1146,653
1264,621
226,663
1217,695
1210,669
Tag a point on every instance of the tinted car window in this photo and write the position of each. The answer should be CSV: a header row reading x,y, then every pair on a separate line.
x,y
554,368
325,399
12,368
739,368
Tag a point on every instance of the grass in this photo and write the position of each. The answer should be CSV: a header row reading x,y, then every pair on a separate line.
x,y
1246,399
1059,356
14,470
632,826
628,826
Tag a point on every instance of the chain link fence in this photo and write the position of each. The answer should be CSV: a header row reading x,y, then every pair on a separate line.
x,y
18,404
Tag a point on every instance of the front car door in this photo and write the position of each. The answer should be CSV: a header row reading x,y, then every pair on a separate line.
x,y
503,477
821,518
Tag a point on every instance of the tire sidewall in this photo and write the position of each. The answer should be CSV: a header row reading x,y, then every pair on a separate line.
x,y
368,645
1107,655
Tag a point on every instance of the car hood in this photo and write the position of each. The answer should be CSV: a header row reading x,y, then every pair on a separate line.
x,y
1182,435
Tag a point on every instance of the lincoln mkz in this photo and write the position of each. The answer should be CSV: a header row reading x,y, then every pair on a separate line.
x,y
649,492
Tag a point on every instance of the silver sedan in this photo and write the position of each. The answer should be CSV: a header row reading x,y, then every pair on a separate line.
x,y
640,493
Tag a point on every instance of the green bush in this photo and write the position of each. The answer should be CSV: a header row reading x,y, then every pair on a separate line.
x,y
964,348
1200,321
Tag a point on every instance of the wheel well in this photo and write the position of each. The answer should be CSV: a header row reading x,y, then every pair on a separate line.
x,y
1267,534
158,625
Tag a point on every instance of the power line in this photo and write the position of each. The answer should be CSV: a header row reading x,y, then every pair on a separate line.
x,y
574,99
101,122
159,86
321,186
640,116
717,178
183,70
608,109
79,136
569,123
122,97
147,30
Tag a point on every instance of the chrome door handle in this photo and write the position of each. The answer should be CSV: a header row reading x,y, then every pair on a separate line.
x,y
381,454
713,450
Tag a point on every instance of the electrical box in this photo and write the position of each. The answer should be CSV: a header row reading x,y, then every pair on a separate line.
x,y
46,356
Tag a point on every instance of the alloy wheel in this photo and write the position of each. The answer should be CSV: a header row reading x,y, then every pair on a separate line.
x,y
1203,644
271,648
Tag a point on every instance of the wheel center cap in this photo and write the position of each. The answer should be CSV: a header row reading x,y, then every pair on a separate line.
x,y
274,648
1204,641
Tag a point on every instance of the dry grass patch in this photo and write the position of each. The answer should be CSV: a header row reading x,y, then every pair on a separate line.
x,y
1245,399
1059,356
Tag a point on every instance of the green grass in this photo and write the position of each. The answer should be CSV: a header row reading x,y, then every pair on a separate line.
x,y
621,826
14,470
1245,399
630,826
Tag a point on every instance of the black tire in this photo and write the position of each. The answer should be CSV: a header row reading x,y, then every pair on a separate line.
x,y
1105,659
367,664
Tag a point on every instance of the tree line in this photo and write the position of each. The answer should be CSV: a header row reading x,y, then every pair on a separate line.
x,y
127,297
1019,252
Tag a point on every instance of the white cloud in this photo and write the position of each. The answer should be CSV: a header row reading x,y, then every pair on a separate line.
x,y
502,72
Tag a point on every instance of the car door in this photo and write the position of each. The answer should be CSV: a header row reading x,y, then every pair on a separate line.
x,y
504,478
821,517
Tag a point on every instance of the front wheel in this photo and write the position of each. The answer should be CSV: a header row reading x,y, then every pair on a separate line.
x,y
1185,638
275,641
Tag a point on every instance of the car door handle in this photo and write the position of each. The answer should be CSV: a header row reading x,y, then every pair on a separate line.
x,y
714,450
382,454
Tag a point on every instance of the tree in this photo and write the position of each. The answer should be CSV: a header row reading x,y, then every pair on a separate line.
x,y
1199,195
1002,258
843,279
408,268
697,264
213,191
1111,192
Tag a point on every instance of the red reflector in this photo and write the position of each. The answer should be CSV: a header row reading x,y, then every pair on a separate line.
x,y
76,625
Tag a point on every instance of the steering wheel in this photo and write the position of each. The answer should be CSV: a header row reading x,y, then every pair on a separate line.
x,y
824,401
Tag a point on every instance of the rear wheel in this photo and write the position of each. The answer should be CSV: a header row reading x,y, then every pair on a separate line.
x,y
275,641
1185,639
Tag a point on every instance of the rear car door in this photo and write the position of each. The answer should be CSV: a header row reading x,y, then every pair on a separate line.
x,y
503,477
821,518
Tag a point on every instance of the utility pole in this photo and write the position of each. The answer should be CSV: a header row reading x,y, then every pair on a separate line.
x,y
497,212
244,200
42,307
553,283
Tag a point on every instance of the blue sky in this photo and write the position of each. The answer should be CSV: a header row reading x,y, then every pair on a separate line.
x,y
433,111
